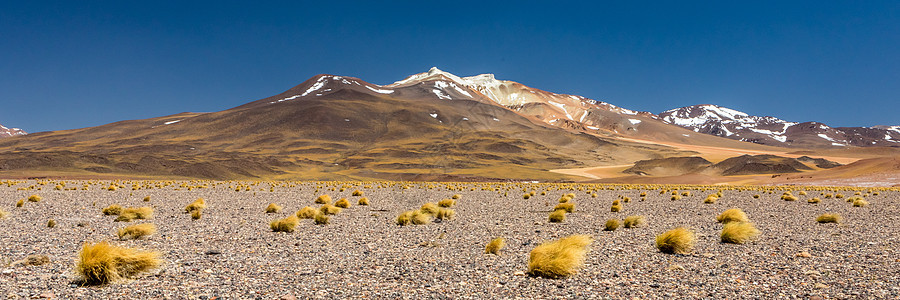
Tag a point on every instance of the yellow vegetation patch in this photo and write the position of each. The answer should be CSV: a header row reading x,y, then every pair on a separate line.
x,y
494,246
679,240
732,215
559,258
102,263
738,232
136,231
284,225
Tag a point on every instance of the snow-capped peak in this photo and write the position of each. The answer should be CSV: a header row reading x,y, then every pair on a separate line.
x,y
7,132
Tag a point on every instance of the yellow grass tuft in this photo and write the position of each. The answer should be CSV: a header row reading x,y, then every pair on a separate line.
x,y
494,246
132,213
136,231
859,202
732,215
420,217
738,232
429,208
51,223
147,199
710,199
343,203
35,198
284,225
611,224
357,193
307,213
813,200
566,206
20,203
405,218
273,208
103,263
829,218
329,209
634,221
557,216
196,214
446,203
615,208
679,240
196,205
112,210
559,258
3,213
324,199
455,197
321,218
363,201
444,214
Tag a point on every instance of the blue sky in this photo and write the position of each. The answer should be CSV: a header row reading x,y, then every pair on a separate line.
x,y
74,64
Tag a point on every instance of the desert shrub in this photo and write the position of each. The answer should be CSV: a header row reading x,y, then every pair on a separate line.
x,y
455,197
51,223
136,231
756,196
329,209
839,196
196,214
20,203
323,199
343,203
611,224
738,232
557,216
284,225
829,195
112,210
788,197
446,203
35,198
321,218
732,215
444,214
494,246
829,218
273,208
559,258
802,193
357,193
526,196
567,206
676,197
615,208
616,202
196,205
634,221
813,200
405,218
679,240
859,202
710,199
132,213
147,199
420,217
363,201
686,194
102,263
306,213
429,208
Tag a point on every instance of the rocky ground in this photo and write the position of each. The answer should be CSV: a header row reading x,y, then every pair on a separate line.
x,y
231,253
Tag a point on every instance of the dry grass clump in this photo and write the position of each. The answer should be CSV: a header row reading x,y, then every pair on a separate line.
x,y
343,203
321,218
710,199
20,203
676,197
839,196
405,218
357,193
324,199
103,263
196,214
3,213
196,205
813,200
494,246
616,207
559,258
147,199
444,214
329,209
557,216
633,221
732,215
429,208
112,210
420,217
136,231
284,225
679,240
566,206
363,201
829,218
273,208
859,202
306,213
455,197
526,196
738,232
132,213
35,198
446,203
611,224
788,197
51,223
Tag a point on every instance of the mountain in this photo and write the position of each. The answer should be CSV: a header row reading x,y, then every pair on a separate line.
x,y
8,132
733,124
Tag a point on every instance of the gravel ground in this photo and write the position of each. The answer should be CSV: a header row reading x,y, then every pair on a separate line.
x,y
231,253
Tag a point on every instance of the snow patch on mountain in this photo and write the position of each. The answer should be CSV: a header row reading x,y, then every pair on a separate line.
x,y
8,132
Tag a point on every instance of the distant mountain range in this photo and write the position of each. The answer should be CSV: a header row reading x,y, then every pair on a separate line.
x,y
7,132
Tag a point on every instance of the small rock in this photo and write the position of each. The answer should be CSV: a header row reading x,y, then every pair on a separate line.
x,y
288,297
519,273
803,254
213,252
47,295
676,268
820,286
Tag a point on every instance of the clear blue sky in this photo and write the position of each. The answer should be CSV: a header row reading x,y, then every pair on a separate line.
x,y
76,64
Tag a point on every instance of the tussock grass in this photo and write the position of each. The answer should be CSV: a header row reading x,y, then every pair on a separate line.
x,y
444,214
20,203
494,246
679,240
103,263
738,232
560,258
828,218
526,196
196,214
711,199
566,206
813,200
343,203
112,210
363,201
321,218
135,213
420,217
329,209
51,223
306,213
455,197
859,202
429,208
357,193
675,197
196,205
147,199
615,208
284,225
732,215
611,224
273,208
446,203
788,197
405,218
323,199
634,221
557,216
136,231
35,198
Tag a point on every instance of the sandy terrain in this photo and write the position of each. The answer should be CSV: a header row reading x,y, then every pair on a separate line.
x,y
231,253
